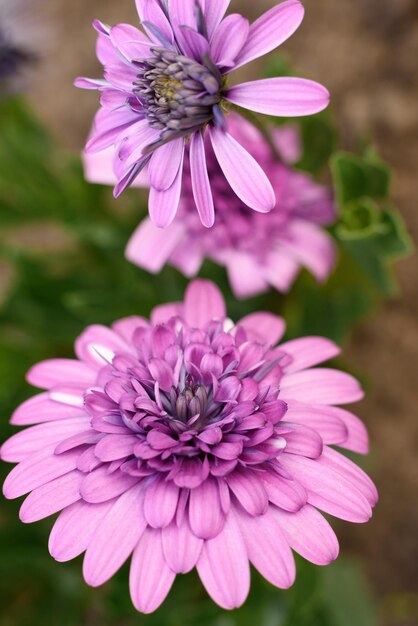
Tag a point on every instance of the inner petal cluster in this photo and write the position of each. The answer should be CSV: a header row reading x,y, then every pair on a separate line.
x,y
190,404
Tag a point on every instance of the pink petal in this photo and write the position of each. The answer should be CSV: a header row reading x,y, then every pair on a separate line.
x,y
214,13
100,486
357,439
130,41
160,504
97,346
302,440
271,30
328,489
321,386
268,549
312,247
249,490
60,372
243,173
38,470
331,429
228,40
205,512
309,351
340,463
164,312
32,440
163,205
150,11
181,547
284,493
202,191
150,577
183,12
41,408
309,534
127,326
114,447
151,247
223,567
115,539
285,97
51,498
280,270
165,163
245,274
203,303
264,327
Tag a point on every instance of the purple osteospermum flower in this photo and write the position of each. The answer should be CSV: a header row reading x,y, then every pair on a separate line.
x,y
188,441
168,86
258,250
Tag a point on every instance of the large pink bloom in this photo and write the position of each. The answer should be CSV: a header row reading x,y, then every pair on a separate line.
x,y
166,86
188,441
258,250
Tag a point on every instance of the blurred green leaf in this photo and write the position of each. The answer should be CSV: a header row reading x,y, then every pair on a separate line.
x,y
357,177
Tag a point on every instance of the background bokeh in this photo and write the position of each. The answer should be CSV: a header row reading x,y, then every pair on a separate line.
x,y
366,52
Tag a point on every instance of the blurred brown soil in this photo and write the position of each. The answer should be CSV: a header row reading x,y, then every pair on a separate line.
x,y
366,52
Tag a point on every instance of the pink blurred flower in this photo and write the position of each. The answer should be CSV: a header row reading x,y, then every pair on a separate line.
x,y
187,441
258,250
167,86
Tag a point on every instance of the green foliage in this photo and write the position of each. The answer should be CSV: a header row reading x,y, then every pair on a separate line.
x,y
370,229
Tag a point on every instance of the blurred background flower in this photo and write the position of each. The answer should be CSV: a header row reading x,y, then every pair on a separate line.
x,y
259,251
62,244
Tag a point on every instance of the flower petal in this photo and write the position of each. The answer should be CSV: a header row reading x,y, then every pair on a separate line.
x,y
321,386
228,40
41,408
163,205
214,13
74,528
309,351
309,534
205,512
223,566
243,173
150,577
51,498
328,489
165,163
271,30
53,372
38,470
285,97
203,303
249,490
151,247
181,547
264,327
268,549
160,502
119,533
202,191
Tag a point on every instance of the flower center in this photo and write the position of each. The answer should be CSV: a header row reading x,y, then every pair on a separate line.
x,y
179,95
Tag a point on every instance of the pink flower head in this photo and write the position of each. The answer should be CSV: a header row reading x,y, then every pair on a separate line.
x,y
166,86
258,250
188,441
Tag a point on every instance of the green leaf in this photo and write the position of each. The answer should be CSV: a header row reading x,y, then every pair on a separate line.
x,y
357,177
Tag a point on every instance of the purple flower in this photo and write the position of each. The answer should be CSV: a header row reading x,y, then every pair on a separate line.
x,y
167,86
258,250
188,441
